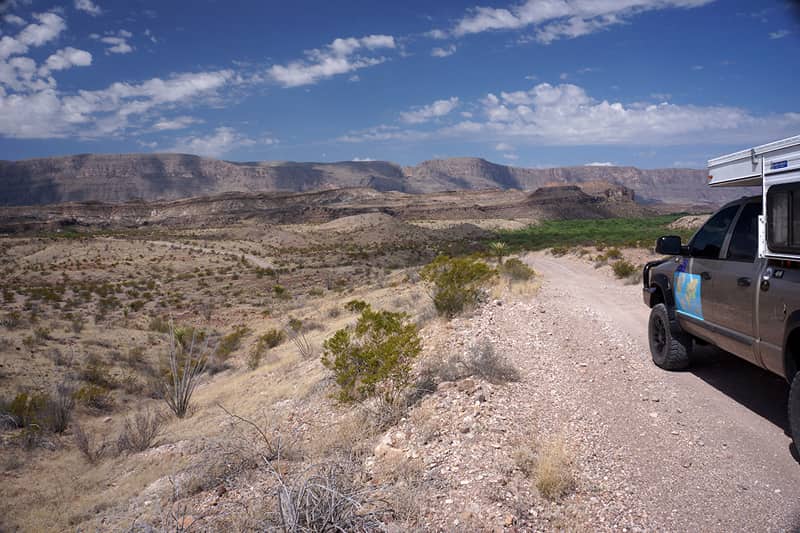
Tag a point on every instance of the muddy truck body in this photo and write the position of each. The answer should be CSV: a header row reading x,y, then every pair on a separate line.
x,y
736,284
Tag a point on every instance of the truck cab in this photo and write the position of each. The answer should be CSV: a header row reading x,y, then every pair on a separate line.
x,y
736,283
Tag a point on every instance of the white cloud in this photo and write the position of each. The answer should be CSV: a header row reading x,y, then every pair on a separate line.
x,y
15,20
362,159
339,57
48,28
600,164
149,35
444,52
557,19
66,58
437,109
46,113
504,147
177,123
511,157
117,41
221,141
566,115
661,97
780,34
88,6
697,68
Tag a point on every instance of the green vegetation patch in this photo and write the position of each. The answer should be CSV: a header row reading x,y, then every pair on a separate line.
x,y
629,232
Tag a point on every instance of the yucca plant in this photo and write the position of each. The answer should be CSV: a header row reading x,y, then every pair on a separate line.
x,y
498,249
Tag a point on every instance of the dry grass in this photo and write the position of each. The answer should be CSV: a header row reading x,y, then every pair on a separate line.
x,y
549,463
140,432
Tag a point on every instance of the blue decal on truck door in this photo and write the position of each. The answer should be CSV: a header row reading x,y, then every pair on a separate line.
x,y
687,294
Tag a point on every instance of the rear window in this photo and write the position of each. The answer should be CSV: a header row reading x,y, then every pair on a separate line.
x,y
783,216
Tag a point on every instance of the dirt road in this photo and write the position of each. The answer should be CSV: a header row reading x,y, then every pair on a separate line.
x,y
705,449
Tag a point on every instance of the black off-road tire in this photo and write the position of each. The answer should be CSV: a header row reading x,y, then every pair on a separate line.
x,y
670,347
794,411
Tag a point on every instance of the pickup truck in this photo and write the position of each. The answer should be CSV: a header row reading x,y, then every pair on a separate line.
x,y
717,290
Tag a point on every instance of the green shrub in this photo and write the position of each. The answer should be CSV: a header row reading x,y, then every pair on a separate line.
x,y
273,338
558,251
517,270
95,397
356,306
231,342
458,282
281,293
159,324
498,249
374,358
96,372
613,253
26,409
623,268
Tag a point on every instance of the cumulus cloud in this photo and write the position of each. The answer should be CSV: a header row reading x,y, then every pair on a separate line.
x,y
557,19
567,115
339,57
444,52
88,6
47,113
66,58
439,108
14,19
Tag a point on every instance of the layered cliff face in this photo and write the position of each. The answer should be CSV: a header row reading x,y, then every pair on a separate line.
x,y
124,177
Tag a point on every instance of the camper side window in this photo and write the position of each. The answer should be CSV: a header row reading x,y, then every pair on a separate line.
x,y
783,216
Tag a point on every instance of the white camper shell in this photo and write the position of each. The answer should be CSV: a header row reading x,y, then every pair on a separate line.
x,y
776,168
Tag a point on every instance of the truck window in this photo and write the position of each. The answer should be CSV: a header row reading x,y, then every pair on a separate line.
x,y
783,208
707,242
744,241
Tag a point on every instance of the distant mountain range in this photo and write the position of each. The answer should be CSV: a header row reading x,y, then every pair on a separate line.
x,y
120,178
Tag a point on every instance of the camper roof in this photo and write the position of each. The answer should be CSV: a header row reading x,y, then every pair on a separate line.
x,y
744,168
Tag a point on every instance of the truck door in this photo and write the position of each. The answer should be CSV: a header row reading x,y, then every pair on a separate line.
x,y
695,298
735,284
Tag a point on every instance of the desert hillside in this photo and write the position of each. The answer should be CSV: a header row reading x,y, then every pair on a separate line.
x,y
119,178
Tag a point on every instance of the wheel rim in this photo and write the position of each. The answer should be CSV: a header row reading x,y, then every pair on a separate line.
x,y
659,334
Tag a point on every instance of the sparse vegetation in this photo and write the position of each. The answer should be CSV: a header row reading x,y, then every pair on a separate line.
x,y
140,432
516,270
553,471
623,268
458,283
85,443
481,360
374,358
231,342
498,249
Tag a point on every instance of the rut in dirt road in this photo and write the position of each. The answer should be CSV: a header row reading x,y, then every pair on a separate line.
x,y
698,450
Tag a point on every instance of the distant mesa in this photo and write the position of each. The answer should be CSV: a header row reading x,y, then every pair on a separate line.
x,y
119,178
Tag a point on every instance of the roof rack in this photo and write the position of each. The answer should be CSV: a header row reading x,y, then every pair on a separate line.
x,y
752,167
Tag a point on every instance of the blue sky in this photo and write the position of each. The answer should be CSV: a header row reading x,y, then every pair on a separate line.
x,y
540,83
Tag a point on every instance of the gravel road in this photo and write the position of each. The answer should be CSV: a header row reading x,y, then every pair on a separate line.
x,y
705,449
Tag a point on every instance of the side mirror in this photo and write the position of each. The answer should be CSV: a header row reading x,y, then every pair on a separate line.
x,y
669,245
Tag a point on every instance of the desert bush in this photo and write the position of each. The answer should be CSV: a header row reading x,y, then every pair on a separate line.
x,y
458,283
623,268
373,358
273,338
140,432
558,251
517,270
95,397
159,324
11,320
185,364
231,342
334,312
481,360
613,254
281,293
58,408
356,306
97,372
86,445
327,499
25,409
257,352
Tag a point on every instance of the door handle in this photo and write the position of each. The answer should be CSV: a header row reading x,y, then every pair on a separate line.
x,y
743,282
705,275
